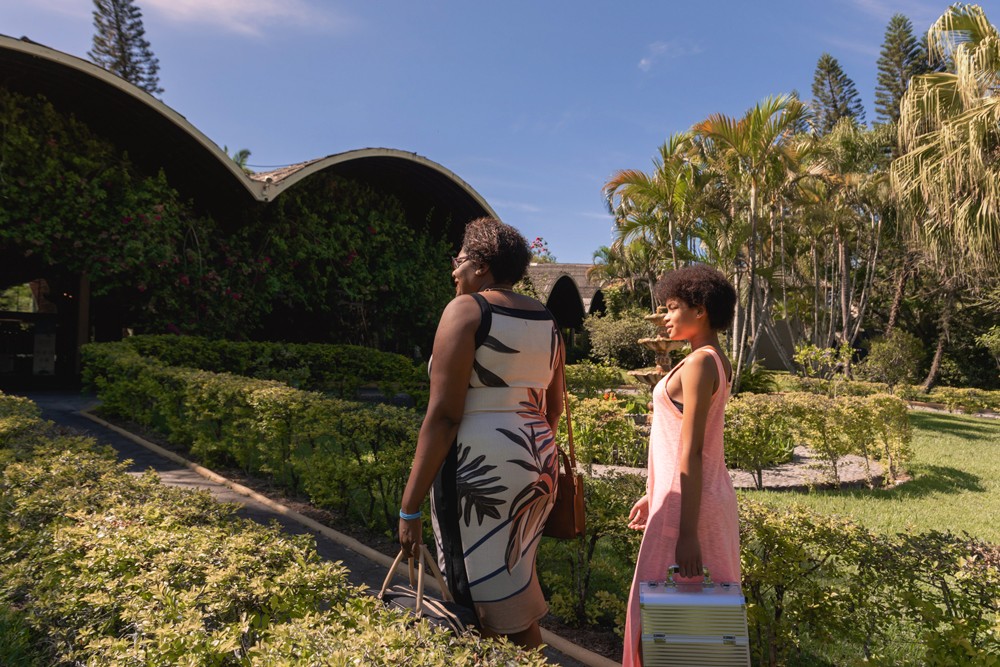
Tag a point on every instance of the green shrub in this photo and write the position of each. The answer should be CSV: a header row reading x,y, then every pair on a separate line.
x,y
339,370
893,359
614,341
16,641
757,380
105,568
604,433
587,580
587,379
822,362
758,433
346,456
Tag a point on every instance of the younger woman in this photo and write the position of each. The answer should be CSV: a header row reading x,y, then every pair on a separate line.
x,y
689,512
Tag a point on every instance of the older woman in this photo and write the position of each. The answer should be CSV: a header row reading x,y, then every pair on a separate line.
x,y
487,442
689,512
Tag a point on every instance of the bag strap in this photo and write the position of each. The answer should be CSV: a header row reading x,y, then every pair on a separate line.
x,y
424,561
569,417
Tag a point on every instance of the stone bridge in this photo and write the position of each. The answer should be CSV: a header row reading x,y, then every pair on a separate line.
x,y
566,291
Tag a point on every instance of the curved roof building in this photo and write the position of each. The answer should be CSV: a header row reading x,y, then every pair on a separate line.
x,y
157,137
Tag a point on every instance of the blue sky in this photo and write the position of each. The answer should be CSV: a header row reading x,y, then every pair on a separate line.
x,y
534,103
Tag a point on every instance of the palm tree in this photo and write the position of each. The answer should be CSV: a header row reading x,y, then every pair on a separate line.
x,y
949,130
657,206
947,178
746,154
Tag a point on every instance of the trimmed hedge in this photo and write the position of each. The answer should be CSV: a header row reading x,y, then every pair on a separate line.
x,y
100,567
339,370
345,456
955,399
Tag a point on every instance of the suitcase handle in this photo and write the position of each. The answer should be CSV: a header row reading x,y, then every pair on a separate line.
x,y
674,569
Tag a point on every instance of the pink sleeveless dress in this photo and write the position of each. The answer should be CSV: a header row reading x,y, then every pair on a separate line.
x,y
718,522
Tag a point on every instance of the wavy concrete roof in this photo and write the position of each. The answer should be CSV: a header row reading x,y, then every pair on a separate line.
x,y
155,136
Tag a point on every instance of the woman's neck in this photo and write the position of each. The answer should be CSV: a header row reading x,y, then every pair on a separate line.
x,y
709,337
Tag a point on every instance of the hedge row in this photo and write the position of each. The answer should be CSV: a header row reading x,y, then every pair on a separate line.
x,y
820,590
346,456
763,429
100,567
340,370
816,586
956,399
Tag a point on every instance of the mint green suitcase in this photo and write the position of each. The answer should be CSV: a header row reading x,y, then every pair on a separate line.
x,y
693,624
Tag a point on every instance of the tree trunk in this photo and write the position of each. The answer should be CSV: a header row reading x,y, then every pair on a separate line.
x,y
898,292
943,334
845,288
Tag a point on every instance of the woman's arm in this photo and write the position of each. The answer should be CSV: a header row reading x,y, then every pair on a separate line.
x,y
698,378
454,351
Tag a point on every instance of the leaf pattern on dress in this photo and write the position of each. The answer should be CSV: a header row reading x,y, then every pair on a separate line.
x,y
530,507
495,345
531,409
476,493
487,377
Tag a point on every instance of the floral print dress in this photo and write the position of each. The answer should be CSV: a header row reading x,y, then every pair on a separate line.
x,y
497,485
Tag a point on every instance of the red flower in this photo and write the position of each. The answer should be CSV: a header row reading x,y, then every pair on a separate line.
x,y
184,280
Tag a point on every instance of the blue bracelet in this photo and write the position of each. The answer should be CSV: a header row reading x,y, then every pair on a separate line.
x,y
409,517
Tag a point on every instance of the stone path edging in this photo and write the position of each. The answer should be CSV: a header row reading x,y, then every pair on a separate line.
x,y
560,644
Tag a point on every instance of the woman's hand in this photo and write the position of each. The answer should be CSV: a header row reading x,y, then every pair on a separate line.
x,y
689,556
411,536
639,514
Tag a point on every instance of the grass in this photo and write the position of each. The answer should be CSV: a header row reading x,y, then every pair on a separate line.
x,y
955,485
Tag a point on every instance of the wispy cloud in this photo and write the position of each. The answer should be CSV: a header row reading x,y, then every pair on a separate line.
x,y
520,207
667,50
250,17
920,12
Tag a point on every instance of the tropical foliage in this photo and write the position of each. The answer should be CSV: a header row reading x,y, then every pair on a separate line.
x,y
827,238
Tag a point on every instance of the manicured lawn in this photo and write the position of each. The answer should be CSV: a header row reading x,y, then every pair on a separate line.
x,y
955,486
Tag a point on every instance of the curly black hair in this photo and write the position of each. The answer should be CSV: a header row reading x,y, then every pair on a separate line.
x,y
499,246
700,285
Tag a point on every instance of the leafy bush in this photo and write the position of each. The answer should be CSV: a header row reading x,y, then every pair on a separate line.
x,y
587,580
827,587
893,359
991,341
16,642
339,370
587,379
758,433
106,568
614,341
604,433
346,456
822,362
757,380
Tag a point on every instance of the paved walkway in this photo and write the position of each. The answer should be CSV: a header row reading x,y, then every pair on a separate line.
x,y
63,408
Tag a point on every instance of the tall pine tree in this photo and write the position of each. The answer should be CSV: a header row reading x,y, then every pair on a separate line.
x,y
120,44
900,59
834,95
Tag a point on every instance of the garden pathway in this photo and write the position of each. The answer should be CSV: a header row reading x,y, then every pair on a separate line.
x,y
805,470
64,408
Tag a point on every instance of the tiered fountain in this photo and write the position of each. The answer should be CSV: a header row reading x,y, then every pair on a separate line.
x,y
661,346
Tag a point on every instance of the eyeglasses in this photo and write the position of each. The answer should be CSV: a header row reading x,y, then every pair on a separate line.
x,y
458,261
